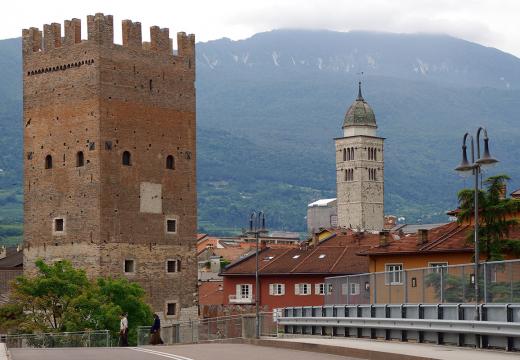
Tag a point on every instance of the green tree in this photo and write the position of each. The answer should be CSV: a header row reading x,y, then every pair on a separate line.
x,y
45,298
495,218
130,298
62,298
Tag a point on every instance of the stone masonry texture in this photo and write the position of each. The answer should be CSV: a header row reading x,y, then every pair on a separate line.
x,y
361,201
102,99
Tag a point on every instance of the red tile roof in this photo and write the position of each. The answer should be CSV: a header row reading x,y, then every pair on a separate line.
x,y
336,255
451,237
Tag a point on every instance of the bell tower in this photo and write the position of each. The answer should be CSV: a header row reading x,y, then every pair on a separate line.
x,y
360,169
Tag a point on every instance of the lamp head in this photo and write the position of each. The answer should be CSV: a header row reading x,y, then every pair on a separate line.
x,y
465,166
486,160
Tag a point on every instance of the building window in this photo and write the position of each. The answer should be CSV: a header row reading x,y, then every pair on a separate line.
x,y
80,159
302,289
277,289
374,154
244,291
351,153
171,309
349,175
372,174
173,266
129,266
127,158
344,154
438,267
59,225
354,289
322,289
170,162
48,162
171,226
393,274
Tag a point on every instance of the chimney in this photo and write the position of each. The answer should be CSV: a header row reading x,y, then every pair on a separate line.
x,y
384,237
502,192
422,236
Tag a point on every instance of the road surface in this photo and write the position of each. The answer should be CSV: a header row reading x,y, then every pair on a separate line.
x,y
178,352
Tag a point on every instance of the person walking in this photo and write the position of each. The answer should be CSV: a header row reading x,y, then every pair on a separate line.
x,y
123,330
155,331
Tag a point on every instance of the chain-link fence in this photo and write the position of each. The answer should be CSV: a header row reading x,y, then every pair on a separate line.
x,y
210,329
57,340
499,282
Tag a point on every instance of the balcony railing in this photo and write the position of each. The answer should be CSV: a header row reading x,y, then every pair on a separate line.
x,y
233,299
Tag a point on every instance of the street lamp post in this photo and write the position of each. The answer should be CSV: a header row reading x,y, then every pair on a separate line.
x,y
475,167
257,227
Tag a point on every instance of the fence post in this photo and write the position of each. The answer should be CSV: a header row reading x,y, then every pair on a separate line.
x,y
375,288
405,281
348,289
108,338
485,282
442,285
511,279
463,284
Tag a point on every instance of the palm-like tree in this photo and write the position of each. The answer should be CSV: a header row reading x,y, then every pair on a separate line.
x,y
496,217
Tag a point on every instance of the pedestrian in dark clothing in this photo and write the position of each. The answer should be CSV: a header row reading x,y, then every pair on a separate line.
x,y
123,330
155,331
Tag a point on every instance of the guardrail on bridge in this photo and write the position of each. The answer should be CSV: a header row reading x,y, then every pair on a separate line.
x,y
498,327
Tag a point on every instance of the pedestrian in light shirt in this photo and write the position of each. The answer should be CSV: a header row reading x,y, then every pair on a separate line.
x,y
123,330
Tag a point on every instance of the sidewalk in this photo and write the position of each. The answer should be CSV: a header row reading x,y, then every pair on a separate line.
x,y
373,349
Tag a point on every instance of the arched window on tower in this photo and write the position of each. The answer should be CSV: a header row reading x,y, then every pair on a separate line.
x,y
170,162
352,152
80,159
48,162
352,174
375,154
344,154
127,158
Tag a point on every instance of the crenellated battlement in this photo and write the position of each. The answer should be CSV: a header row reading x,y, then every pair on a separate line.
x,y
100,29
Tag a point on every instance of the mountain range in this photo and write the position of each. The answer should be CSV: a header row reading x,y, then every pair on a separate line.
x,y
269,107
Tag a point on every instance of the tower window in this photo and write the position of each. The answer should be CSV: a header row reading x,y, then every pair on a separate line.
x,y
349,175
173,266
48,162
372,174
344,154
127,158
171,309
80,159
59,225
171,226
170,162
129,266
374,154
351,153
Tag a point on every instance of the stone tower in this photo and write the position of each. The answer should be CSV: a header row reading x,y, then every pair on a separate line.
x,y
109,156
360,170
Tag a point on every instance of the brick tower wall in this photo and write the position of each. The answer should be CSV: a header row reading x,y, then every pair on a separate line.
x,y
136,97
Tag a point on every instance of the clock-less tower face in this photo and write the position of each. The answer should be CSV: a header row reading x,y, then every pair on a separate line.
x,y
360,170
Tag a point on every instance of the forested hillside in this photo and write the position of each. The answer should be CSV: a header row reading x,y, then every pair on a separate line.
x,y
269,107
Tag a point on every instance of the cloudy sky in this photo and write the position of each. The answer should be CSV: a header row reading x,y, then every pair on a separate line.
x,y
489,22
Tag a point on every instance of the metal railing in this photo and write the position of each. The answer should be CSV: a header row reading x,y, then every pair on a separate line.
x,y
453,324
210,329
100,338
499,283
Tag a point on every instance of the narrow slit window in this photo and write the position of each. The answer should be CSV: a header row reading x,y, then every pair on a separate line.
x,y
80,159
170,162
127,158
48,162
